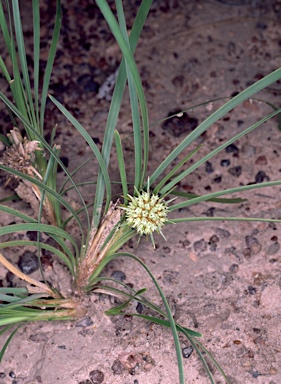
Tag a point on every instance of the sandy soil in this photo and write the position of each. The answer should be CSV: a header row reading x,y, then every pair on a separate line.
x,y
223,278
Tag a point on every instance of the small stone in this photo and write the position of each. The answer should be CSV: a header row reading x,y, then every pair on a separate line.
x,y
185,243
187,351
260,177
272,249
117,367
247,253
240,122
232,148
225,162
12,374
180,123
65,162
222,233
139,307
2,375
235,171
178,81
273,370
28,263
200,245
87,83
213,242
96,376
210,212
217,179
261,160
253,244
213,280
119,276
248,149
252,290
53,243
85,382
209,167
86,322
256,374
32,235
234,268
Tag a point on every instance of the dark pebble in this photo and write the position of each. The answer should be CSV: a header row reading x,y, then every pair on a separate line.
x,y
240,122
136,381
117,367
178,81
139,307
234,268
214,239
209,167
260,177
61,346
85,382
256,374
12,374
87,83
179,125
96,376
32,235
272,226
261,25
210,212
53,243
58,87
185,243
2,375
28,262
225,162
200,245
251,290
186,352
213,242
235,171
86,322
65,162
232,148
253,244
119,276
217,179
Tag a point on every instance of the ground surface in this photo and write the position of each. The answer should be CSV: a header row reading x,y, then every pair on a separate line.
x,y
223,278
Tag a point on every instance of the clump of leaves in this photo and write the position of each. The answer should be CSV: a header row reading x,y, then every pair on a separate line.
x,y
106,224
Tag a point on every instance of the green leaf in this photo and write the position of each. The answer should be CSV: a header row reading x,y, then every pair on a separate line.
x,y
121,164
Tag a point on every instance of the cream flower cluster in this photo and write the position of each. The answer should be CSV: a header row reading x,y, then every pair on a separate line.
x,y
146,213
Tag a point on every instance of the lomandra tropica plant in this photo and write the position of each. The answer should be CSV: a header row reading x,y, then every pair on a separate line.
x,y
142,209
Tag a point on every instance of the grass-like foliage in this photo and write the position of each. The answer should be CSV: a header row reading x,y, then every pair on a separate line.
x,y
107,223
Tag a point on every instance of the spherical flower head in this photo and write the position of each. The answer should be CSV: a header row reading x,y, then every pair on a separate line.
x,y
146,213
